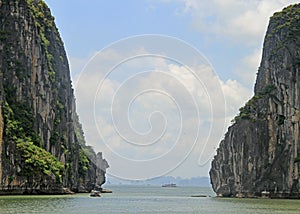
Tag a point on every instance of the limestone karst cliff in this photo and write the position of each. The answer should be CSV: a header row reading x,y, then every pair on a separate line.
x,y
42,146
260,150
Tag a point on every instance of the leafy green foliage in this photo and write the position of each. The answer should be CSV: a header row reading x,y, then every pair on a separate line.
x,y
45,22
86,153
287,19
38,161
288,14
12,127
54,138
4,35
280,120
248,111
285,27
10,179
18,121
297,160
83,163
266,91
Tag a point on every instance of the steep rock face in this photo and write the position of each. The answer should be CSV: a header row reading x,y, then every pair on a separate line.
x,y
261,149
41,141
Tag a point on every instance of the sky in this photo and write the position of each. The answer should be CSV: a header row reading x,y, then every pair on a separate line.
x,y
157,82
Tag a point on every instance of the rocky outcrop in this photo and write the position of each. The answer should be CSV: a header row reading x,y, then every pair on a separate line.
x,y
260,151
41,141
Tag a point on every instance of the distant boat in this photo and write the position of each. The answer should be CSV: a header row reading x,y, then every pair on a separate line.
x,y
106,191
169,185
199,196
95,193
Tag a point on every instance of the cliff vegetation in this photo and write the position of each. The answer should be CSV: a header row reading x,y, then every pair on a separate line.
x,y
42,144
260,152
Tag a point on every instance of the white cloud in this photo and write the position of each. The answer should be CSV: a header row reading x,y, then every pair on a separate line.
x,y
174,124
247,68
235,95
241,21
76,65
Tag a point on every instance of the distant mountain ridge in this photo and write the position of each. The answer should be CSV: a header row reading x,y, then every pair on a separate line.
x,y
194,181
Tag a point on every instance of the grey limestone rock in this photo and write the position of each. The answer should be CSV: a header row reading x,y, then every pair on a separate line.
x,y
259,152
37,108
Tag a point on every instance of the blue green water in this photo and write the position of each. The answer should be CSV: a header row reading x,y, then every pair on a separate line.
x,y
138,199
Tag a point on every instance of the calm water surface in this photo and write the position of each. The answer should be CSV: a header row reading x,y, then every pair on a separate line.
x,y
137,199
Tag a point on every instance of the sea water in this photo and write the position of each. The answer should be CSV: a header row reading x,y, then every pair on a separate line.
x,y
145,199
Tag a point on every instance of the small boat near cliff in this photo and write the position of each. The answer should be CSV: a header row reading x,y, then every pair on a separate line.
x,y
95,193
106,191
265,194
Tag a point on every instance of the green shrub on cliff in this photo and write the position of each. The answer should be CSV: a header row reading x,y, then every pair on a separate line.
x,y
19,121
38,161
19,129
297,160
44,21
83,163
249,111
